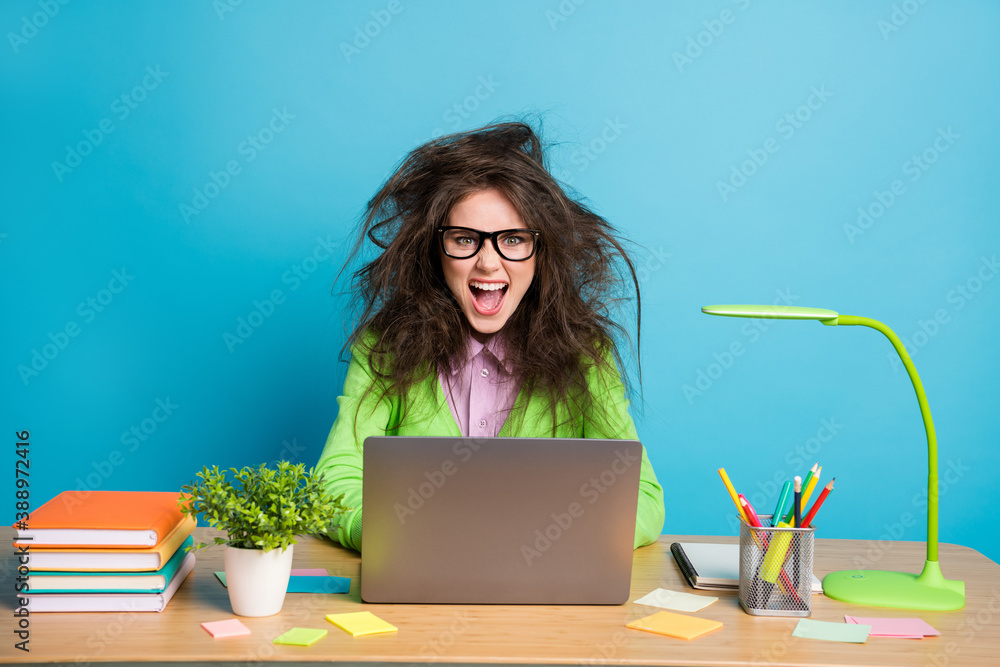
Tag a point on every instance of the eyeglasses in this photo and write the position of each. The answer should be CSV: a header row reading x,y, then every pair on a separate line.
x,y
515,245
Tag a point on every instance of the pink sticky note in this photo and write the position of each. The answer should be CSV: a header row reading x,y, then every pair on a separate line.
x,y
230,628
310,572
900,628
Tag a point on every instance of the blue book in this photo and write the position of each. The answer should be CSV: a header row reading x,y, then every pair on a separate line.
x,y
110,582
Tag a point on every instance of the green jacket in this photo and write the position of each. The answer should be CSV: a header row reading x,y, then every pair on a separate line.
x,y
428,413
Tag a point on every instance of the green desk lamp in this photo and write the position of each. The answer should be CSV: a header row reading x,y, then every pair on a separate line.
x,y
928,590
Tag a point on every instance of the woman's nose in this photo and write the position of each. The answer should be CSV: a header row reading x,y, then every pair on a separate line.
x,y
488,258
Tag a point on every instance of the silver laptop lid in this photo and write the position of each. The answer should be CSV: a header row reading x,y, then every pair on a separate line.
x,y
498,520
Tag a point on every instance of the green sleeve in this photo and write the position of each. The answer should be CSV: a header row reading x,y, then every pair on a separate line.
x,y
342,458
611,419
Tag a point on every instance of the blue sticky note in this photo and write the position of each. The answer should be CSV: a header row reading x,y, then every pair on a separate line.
x,y
319,584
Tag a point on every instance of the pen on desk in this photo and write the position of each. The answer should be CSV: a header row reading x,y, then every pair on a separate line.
x,y
797,506
732,492
807,489
819,502
786,493
791,510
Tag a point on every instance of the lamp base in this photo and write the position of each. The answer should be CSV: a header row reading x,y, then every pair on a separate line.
x,y
878,588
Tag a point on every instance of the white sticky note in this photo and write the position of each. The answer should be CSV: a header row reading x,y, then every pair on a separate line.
x,y
676,600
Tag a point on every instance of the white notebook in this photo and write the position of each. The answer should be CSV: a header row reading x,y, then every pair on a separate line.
x,y
714,567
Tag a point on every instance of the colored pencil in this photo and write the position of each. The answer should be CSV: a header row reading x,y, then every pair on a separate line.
x,y
732,493
797,507
809,473
819,502
807,489
751,514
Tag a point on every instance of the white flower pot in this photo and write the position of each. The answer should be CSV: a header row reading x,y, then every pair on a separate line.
x,y
257,580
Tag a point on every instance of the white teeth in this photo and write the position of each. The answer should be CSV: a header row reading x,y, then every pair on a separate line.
x,y
488,287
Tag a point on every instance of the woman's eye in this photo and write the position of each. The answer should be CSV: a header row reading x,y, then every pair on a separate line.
x,y
513,240
465,240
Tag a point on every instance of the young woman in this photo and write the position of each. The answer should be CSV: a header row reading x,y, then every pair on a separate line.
x,y
487,312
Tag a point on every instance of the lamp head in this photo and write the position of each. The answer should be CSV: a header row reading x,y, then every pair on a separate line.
x,y
825,316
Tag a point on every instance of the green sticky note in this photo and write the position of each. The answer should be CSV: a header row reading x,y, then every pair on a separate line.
x,y
834,632
222,578
300,637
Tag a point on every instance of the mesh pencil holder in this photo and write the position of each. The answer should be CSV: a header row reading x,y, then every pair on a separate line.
x,y
776,567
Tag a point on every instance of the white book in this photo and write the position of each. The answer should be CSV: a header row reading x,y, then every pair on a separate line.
x,y
111,601
89,536
714,567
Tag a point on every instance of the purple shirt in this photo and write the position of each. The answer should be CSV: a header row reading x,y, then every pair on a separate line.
x,y
480,389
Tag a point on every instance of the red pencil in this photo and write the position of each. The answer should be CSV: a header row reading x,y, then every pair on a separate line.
x,y
819,501
751,513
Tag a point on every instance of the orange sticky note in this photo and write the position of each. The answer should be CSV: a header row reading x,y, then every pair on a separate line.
x,y
675,625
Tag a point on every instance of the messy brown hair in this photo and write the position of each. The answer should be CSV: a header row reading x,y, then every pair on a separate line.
x,y
408,319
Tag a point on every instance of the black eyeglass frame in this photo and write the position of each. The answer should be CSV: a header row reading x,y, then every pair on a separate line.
x,y
492,236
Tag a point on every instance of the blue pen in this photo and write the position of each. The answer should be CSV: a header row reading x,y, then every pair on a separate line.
x,y
786,493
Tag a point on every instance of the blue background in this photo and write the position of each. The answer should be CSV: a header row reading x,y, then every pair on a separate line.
x,y
651,106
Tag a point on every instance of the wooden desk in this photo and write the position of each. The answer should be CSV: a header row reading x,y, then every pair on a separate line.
x,y
466,634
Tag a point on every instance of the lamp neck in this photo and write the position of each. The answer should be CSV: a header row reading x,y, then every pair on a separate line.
x,y
925,412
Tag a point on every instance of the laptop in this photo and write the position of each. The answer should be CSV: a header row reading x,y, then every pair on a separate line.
x,y
498,520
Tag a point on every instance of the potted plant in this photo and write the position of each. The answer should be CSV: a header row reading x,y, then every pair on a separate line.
x,y
261,510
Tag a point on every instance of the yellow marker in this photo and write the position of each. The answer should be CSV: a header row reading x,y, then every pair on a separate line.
x,y
774,559
732,493
806,492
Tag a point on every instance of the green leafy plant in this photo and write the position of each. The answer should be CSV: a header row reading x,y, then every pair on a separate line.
x,y
261,508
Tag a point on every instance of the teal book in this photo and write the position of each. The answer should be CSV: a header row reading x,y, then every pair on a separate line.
x,y
110,582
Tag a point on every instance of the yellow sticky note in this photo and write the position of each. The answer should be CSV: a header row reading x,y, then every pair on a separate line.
x,y
300,637
675,625
360,623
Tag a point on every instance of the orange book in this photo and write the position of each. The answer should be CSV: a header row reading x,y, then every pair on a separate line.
x,y
122,519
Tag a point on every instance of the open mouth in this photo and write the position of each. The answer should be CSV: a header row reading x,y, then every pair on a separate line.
x,y
487,297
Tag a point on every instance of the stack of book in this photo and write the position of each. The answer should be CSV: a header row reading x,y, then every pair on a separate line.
x,y
106,551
